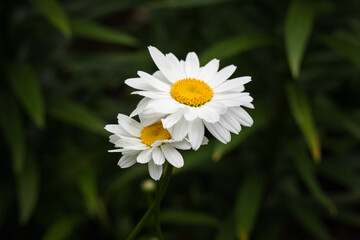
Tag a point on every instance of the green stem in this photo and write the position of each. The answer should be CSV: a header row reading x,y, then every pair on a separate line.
x,y
157,212
155,205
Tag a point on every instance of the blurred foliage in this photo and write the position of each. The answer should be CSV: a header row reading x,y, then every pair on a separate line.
x,y
63,65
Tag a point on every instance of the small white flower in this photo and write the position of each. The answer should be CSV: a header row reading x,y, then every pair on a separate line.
x,y
150,144
189,98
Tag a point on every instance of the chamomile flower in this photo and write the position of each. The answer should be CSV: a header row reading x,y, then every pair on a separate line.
x,y
151,144
189,98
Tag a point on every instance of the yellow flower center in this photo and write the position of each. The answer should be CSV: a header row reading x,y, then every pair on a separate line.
x,y
191,92
154,132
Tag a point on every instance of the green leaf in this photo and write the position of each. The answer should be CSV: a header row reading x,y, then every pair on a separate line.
x,y
28,190
349,217
62,228
6,201
345,45
184,3
301,111
307,173
27,90
87,184
298,25
95,31
231,47
77,115
13,129
248,204
55,14
186,217
308,219
122,180
342,174
342,119
226,229
260,120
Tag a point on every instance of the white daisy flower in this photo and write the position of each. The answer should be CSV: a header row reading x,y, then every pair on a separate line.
x,y
189,98
150,144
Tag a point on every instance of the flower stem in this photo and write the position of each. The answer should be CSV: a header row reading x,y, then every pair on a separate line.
x,y
155,205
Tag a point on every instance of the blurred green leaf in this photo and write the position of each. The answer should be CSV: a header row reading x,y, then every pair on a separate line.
x,y
62,228
184,3
342,119
186,217
233,46
342,174
78,115
28,190
345,45
105,61
349,217
26,88
6,201
123,179
298,25
260,120
248,204
301,111
307,173
55,13
196,159
226,229
88,186
308,219
13,129
95,31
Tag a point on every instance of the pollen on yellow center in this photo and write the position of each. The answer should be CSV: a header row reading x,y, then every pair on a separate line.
x,y
192,92
154,132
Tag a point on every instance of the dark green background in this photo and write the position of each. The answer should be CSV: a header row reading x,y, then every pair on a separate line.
x,y
293,175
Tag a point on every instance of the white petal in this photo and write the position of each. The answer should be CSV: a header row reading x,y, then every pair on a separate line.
x,y
243,116
191,113
148,118
232,99
208,114
155,171
219,107
152,94
115,128
205,141
144,156
209,70
139,83
163,64
218,132
140,107
172,155
172,119
127,161
222,76
161,77
183,145
116,150
233,85
196,133
176,66
165,106
192,65
129,125
180,130
113,138
230,123
248,105
154,82
158,156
